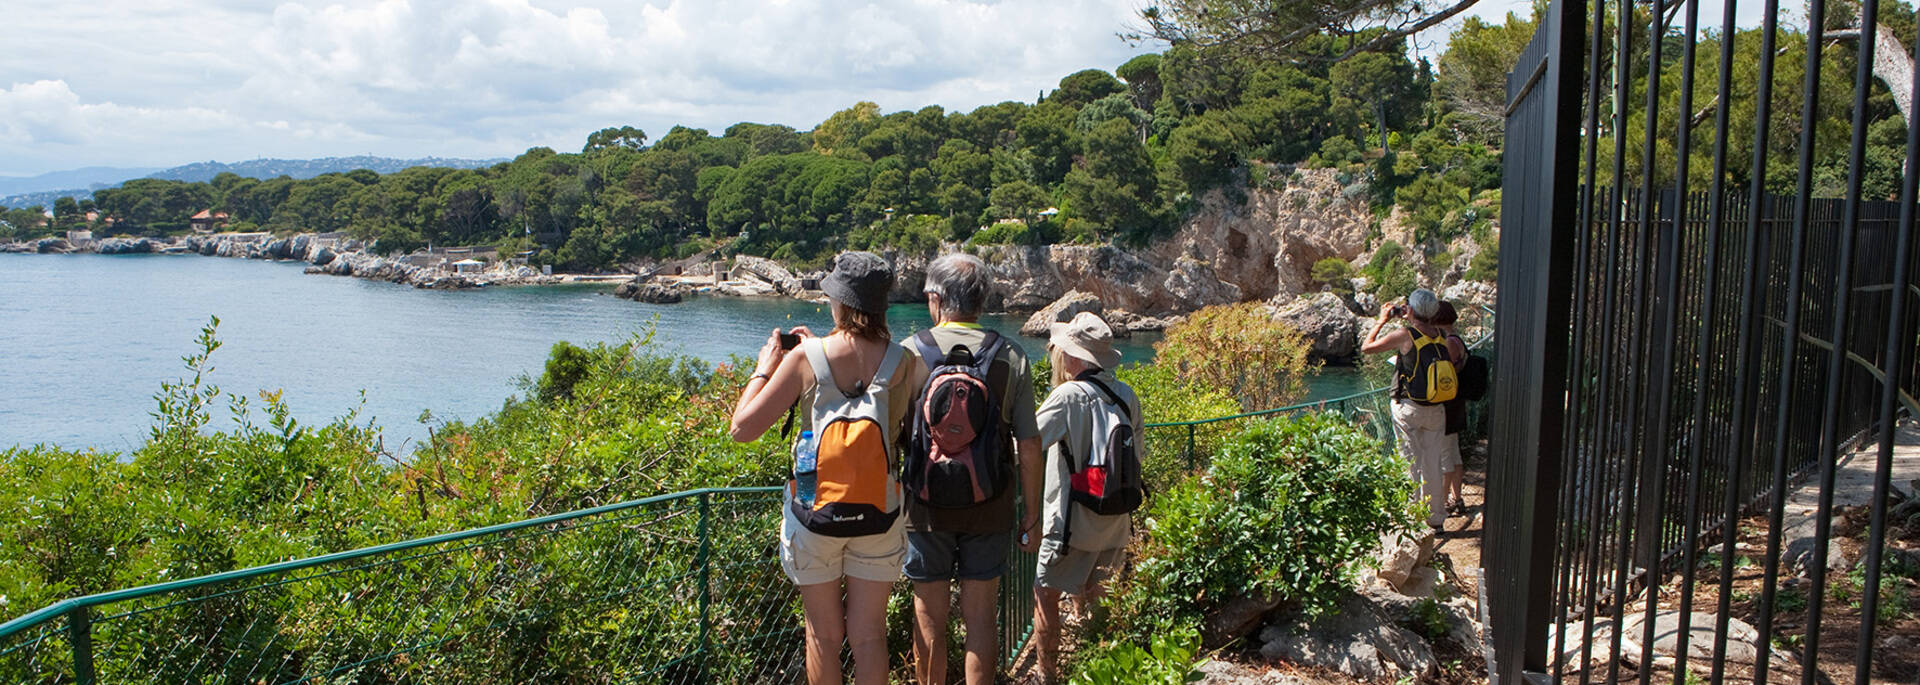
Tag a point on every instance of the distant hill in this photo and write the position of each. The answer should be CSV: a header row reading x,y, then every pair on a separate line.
x,y
89,177
44,189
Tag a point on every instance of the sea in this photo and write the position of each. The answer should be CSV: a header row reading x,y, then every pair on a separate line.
x,y
87,340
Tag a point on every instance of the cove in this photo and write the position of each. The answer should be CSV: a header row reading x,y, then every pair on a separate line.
x,y
86,340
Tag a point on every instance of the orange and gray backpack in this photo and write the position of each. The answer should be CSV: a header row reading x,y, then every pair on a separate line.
x,y
957,457
854,491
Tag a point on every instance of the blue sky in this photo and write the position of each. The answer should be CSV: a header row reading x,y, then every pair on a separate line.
x,y
166,82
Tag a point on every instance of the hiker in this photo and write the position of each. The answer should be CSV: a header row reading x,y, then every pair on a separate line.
x,y
1452,466
841,531
1088,424
1423,380
973,425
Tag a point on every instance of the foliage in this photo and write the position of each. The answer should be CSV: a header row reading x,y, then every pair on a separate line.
x,y
1335,273
1290,508
1390,275
1168,660
1485,265
1165,398
197,499
1241,348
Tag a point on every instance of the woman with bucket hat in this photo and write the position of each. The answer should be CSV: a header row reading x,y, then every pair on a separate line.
x,y
841,533
1089,425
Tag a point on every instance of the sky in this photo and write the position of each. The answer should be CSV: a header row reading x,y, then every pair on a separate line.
x,y
165,82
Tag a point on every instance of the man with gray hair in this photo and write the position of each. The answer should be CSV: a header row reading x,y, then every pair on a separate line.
x,y
1421,426
965,532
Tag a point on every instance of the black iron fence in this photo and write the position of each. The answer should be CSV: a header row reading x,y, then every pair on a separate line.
x,y
1678,356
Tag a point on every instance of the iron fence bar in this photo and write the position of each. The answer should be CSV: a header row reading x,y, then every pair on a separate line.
x,y
1789,341
1576,400
80,640
1829,448
1746,341
1668,273
1893,356
705,562
1705,359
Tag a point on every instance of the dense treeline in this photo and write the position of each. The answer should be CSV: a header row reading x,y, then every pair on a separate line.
x,y
1121,156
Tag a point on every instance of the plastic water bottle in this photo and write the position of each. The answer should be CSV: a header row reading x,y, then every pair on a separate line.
x,y
805,468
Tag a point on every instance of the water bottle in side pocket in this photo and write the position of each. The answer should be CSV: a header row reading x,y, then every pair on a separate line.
x,y
806,475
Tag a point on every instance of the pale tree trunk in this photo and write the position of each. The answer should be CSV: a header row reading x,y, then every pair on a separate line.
x,y
1892,64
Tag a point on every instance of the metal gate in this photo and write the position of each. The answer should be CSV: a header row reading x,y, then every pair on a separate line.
x,y
1705,315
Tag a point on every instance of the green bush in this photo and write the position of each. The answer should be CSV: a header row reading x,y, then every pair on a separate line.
x,y
1336,273
1485,265
1168,660
1241,348
1290,508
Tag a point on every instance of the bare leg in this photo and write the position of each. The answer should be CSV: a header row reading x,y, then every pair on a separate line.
x,y
867,629
826,629
1455,479
932,604
1046,631
979,608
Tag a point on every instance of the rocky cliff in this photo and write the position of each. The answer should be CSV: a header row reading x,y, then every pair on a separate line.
x,y
1225,252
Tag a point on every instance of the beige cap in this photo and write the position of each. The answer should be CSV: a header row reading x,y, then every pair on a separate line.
x,y
1087,338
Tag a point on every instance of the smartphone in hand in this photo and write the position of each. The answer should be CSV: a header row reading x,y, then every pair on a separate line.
x,y
789,341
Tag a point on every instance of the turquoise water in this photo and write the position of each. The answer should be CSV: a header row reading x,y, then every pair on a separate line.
x,y
85,341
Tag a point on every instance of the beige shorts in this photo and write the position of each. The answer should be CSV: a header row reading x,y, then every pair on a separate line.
x,y
810,558
1073,571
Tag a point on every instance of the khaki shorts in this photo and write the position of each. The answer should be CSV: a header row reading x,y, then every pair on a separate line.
x,y
1073,571
810,558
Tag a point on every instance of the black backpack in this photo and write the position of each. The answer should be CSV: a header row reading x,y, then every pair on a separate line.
x,y
957,453
1475,376
1111,481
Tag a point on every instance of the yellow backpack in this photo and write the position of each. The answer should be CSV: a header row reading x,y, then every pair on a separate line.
x,y
1434,379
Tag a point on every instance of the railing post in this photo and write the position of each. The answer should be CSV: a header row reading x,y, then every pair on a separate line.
x,y
80,634
1192,463
705,559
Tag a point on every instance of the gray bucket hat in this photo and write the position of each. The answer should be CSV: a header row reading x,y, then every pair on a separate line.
x,y
860,280
1088,338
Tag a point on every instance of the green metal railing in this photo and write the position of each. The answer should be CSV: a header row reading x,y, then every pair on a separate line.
x,y
678,588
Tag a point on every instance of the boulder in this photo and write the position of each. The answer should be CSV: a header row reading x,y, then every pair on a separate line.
x,y
125,246
321,256
1470,294
1194,284
1239,617
1062,310
1324,319
52,246
656,293
1400,554
770,272
1357,639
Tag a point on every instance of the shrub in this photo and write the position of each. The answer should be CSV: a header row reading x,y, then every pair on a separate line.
x,y
1485,265
1241,348
1164,397
1290,508
1336,273
1168,660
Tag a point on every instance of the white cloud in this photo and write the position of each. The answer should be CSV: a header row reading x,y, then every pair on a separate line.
x,y
164,83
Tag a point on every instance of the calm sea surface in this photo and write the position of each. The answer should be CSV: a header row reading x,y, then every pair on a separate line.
x,y
86,340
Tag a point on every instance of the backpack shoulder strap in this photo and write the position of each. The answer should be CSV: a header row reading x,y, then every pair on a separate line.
x,y
889,367
1111,395
930,353
816,351
989,351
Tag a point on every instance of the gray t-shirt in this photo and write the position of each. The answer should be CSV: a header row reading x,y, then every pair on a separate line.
x,y
1012,378
1066,430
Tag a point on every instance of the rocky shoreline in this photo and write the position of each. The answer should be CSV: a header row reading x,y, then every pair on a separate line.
x,y
324,254
1260,248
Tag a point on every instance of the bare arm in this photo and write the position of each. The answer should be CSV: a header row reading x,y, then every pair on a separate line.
x,y
774,388
1377,343
1032,460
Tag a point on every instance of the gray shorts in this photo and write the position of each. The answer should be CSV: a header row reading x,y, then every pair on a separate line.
x,y
1074,571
